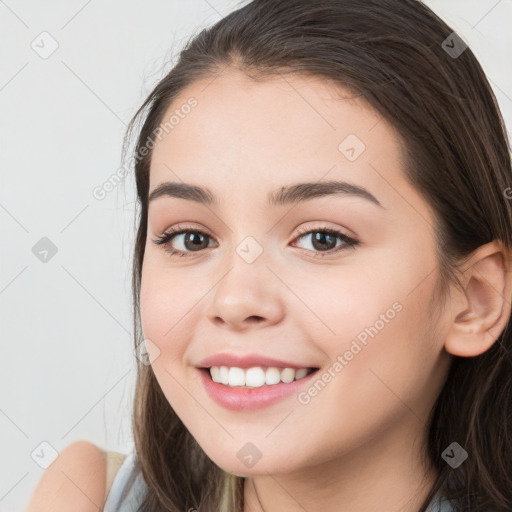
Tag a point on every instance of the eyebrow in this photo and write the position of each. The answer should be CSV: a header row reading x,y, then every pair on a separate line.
x,y
289,194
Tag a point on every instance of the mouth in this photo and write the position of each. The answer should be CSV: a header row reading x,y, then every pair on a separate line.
x,y
255,377
256,387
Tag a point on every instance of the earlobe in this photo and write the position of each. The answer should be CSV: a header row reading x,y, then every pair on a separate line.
x,y
481,314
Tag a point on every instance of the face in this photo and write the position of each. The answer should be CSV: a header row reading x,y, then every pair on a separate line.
x,y
337,281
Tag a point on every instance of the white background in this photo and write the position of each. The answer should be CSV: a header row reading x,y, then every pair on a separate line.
x,y
67,369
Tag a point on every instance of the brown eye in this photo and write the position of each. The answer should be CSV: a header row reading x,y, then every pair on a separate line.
x,y
323,241
194,240
183,241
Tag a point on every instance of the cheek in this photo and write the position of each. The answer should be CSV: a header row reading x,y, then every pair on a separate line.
x,y
389,353
163,320
153,304
348,300
377,314
161,306
170,305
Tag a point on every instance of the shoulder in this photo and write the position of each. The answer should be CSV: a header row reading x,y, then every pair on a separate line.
x,y
77,476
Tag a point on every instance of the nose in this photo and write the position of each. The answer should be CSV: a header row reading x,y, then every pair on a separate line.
x,y
247,296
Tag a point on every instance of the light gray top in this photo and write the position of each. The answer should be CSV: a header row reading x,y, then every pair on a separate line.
x,y
128,489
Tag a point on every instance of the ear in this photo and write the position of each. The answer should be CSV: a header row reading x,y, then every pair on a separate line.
x,y
480,314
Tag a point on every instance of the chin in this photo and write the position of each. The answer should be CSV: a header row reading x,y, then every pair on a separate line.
x,y
260,468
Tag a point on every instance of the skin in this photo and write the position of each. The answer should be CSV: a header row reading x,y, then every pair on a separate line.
x,y
357,444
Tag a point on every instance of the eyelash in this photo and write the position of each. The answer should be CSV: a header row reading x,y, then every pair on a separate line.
x,y
166,237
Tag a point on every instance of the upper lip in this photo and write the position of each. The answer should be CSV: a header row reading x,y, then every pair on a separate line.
x,y
247,361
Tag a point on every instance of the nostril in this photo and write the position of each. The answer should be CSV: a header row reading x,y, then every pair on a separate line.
x,y
254,318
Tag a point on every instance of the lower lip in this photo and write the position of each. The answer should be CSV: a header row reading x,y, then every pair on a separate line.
x,y
242,399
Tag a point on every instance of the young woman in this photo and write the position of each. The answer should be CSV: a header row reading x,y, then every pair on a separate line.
x,y
322,269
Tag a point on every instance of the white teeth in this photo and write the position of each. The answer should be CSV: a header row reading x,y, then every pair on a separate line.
x,y
255,377
272,376
236,377
288,375
214,372
299,374
224,375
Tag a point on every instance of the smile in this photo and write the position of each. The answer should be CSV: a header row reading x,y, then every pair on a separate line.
x,y
236,395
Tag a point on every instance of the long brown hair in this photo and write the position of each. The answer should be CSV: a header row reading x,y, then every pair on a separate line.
x,y
394,55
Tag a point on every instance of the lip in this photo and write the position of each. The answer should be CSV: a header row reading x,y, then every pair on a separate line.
x,y
248,361
244,399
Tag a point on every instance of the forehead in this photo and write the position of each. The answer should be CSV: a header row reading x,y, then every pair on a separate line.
x,y
244,133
